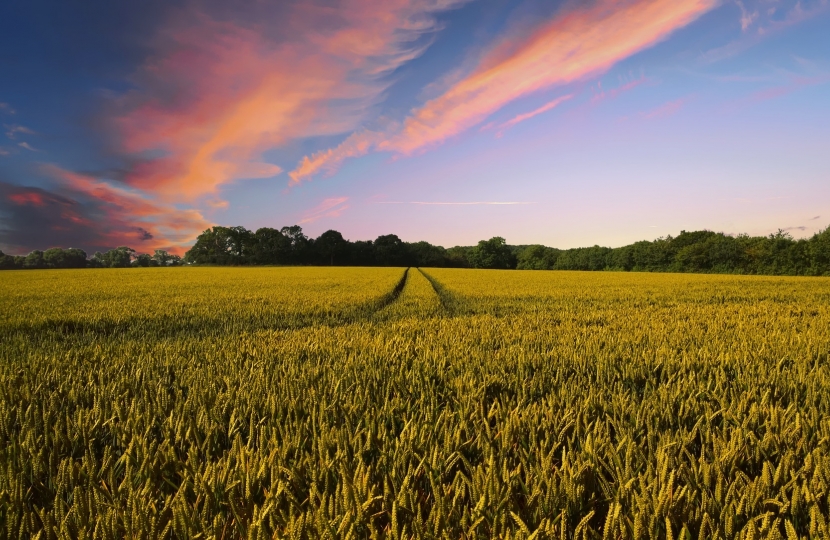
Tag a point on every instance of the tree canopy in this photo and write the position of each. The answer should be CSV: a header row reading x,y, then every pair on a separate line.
x,y
697,251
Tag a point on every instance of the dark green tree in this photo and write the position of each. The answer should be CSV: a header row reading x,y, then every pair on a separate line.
x,y
65,258
390,251
457,257
537,257
492,253
330,245
162,258
426,255
142,260
7,262
271,247
34,260
819,247
300,245
120,257
222,245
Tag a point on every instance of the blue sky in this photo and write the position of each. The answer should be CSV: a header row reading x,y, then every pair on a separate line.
x,y
561,123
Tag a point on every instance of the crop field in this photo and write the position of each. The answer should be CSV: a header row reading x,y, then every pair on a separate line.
x,y
422,403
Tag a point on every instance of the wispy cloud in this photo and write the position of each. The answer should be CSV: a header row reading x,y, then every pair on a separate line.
x,y
793,84
22,197
126,215
28,147
238,91
579,43
666,109
454,203
601,94
527,116
12,130
814,218
788,82
356,145
758,24
747,17
5,108
331,207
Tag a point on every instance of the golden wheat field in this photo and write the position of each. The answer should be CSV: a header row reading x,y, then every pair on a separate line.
x,y
428,403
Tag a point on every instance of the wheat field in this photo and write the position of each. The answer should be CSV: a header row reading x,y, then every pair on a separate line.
x,y
421,403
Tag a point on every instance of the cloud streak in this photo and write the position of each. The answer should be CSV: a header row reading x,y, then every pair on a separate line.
x,y
331,207
218,94
13,130
527,116
28,147
666,109
469,203
577,44
95,214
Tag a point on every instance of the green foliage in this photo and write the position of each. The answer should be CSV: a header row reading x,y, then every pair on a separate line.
x,y
537,257
142,260
223,245
120,257
375,403
7,262
697,251
708,252
493,254
163,258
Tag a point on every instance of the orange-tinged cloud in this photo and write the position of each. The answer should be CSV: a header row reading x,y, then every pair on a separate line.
x,y
331,207
527,116
666,109
356,145
613,93
581,43
218,95
130,217
575,45
27,197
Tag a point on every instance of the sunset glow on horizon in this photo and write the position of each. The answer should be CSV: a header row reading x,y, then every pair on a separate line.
x,y
560,123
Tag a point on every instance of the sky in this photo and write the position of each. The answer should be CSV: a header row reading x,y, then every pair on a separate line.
x,y
567,124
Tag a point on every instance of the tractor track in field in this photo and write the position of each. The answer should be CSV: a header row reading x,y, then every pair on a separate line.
x,y
393,295
445,297
60,329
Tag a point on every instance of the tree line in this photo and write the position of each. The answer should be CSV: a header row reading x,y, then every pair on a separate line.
x,y
698,251
120,257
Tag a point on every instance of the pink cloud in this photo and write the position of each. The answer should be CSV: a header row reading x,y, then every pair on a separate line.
x,y
217,95
793,84
613,93
454,203
13,130
747,17
527,116
356,145
576,45
579,43
331,207
766,23
666,109
27,197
